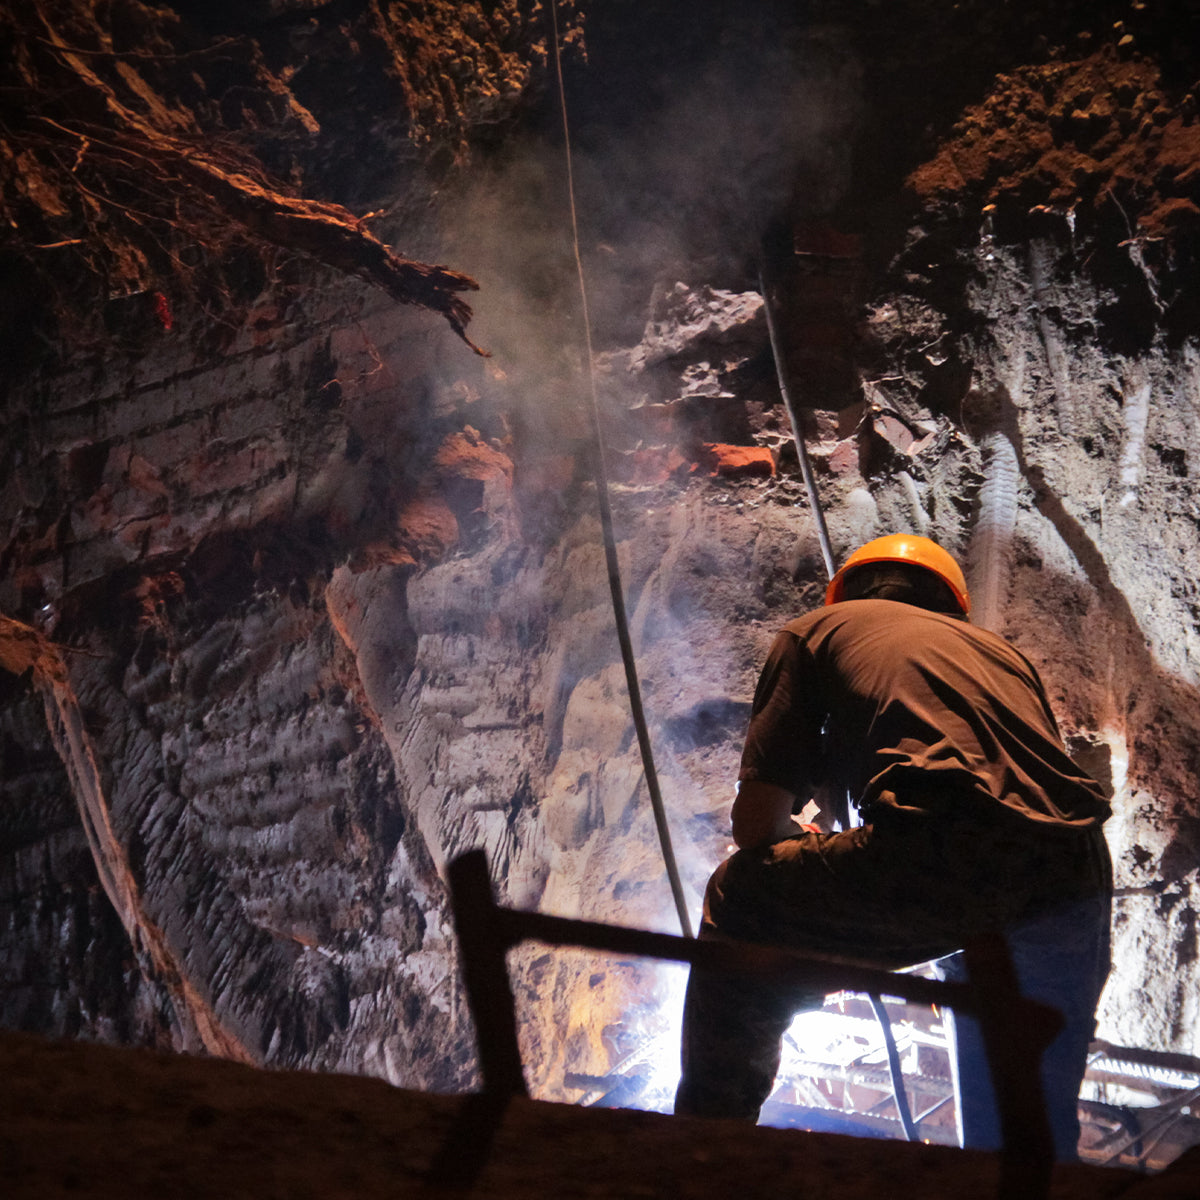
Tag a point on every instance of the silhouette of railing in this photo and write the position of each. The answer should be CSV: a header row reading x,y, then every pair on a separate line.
x,y
1016,1030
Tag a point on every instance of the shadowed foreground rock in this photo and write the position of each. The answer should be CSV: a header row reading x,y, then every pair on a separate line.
x,y
89,1120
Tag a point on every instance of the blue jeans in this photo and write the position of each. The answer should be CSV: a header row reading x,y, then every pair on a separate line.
x,y
1061,959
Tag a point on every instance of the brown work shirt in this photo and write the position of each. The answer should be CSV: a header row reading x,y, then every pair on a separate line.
x,y
912,711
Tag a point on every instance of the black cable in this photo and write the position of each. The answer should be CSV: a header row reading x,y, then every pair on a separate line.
x,y
610,542
894,1069
810,484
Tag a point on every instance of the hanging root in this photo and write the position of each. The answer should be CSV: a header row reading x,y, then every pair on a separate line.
x,y
98,150
25,652
327,232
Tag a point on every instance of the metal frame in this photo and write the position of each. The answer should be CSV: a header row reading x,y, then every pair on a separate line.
x,y
1008,1020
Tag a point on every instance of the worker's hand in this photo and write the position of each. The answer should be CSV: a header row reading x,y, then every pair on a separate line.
x,y
797,829
762,814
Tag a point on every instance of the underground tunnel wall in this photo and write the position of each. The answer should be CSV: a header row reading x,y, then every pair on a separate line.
x,y
332,600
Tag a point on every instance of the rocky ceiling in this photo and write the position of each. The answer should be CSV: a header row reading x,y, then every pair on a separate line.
x,y
301,596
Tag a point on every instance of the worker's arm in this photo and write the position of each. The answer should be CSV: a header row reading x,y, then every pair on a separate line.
x,y
783,755
762,813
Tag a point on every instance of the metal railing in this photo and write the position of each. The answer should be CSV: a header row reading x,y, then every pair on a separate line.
x,y
1016,1030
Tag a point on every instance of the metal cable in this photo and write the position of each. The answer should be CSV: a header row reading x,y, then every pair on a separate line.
x,y
806,473
606,525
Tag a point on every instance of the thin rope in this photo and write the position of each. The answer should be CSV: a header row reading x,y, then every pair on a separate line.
x,y
606,525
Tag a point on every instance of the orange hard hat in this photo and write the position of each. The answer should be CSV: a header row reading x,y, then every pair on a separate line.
x,y
904,548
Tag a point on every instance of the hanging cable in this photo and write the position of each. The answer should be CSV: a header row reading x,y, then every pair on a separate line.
x,y
806,473
895,1071
606,526
814,502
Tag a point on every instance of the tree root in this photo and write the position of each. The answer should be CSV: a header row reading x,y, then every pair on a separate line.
x,y
119,145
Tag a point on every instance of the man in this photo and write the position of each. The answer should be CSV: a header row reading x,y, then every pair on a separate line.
x,y
974,820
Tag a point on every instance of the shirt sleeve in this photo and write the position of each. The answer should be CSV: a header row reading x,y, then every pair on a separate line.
x,y
783,743
1040,689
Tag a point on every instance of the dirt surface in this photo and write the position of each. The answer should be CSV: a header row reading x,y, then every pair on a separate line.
x,y
1076,135
86,1120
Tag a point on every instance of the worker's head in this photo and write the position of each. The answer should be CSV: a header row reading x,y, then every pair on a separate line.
x,y
902,567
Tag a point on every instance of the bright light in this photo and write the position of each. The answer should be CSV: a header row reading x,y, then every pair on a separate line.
x,y
660,1026
646,1077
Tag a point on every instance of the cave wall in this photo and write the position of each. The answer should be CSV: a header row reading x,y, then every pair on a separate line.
x,y
331,604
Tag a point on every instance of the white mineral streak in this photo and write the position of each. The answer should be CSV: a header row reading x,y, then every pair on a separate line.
x,y
1042,255
991,541
1137,256
1118,829
861,517
920,518
1136,408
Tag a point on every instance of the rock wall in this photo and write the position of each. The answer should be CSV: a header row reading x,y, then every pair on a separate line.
x,y
332,607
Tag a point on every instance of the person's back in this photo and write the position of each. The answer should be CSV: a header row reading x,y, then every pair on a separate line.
x,y
915,705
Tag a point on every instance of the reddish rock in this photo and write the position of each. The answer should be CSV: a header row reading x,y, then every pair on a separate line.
x,y
262,321
152,594
1170,216
427,528
737,462
145,477
466,455
1004,148
894,431
844,459
380,554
